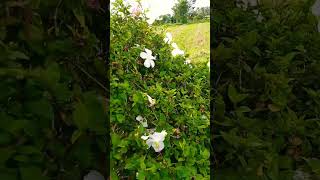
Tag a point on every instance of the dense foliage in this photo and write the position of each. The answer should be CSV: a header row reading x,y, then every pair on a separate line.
x,y
52,89
267,96
181,108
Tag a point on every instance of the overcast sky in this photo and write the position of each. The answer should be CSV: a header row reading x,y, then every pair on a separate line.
x,y
161,7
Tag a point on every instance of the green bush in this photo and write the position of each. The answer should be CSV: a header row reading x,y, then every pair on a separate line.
x,y
267,92
181,107
52,94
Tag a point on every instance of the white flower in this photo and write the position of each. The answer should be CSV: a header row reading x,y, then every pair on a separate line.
x,y
188,61
151,101
176,51
144,137
175,46
155,140
136,10
316,8
93,175
168,38
149,59
142,121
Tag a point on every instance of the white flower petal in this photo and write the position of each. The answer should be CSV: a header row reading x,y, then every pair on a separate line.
x,y
169,35
151,101
174,52
152,63
158,146
144,137
149,98
139,118
158,136
164,132
149,142
93,175
148,51
153,57
188,61
147,63
143,55
174,45
144,123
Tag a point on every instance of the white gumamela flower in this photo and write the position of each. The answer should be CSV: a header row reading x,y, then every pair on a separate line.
x,y
175,46
151,101
148,58
155,140
187,61
142,121
93,175
168,38
176,51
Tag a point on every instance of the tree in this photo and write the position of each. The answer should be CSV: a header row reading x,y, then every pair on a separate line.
x,y
181,10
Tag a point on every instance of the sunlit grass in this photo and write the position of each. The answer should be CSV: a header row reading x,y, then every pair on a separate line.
x,y
194,39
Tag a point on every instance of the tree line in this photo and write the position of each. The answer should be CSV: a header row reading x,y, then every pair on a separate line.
x,y
185,12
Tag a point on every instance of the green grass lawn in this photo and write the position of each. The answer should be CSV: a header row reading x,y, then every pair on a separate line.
x,y
194,39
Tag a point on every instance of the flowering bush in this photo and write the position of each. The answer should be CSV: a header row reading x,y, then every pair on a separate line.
x,y
159,104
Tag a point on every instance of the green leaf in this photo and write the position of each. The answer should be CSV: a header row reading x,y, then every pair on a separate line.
x,y
274,108
243,109
17,55
5,138
34,173
141,175
75,136
234,96
80,17
80,116
120,118
314,164
52,72
3,33
285,162
5,154
43,109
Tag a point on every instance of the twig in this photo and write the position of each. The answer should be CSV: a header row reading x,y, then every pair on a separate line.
x,y
96,81
55,18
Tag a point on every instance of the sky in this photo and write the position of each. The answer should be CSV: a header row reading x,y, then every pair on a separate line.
x,y
161,7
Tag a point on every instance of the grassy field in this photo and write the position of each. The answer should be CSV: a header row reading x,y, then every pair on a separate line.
x,y
194,39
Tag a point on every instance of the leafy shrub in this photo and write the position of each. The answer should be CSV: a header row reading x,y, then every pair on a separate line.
x,y
267,94
52,78
181,93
